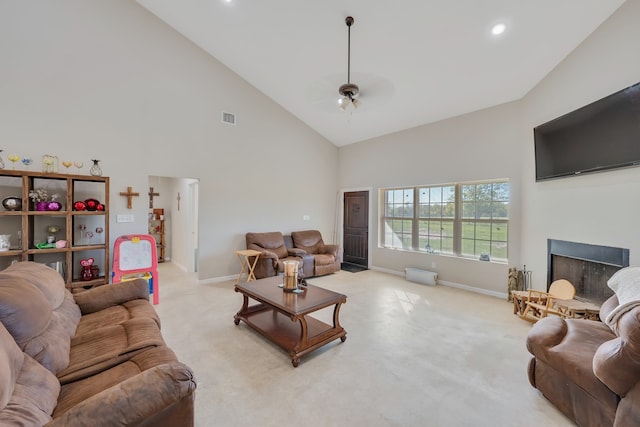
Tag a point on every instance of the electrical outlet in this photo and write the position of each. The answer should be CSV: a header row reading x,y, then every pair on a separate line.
x,y
306,218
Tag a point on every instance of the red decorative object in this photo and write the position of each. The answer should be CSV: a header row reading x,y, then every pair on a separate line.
x,y
79,206
92,204
100,207
86,273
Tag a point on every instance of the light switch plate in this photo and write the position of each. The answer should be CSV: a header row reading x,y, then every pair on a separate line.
x,y
125,218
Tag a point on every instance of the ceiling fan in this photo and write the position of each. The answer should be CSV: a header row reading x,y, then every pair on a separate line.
x,y
349,91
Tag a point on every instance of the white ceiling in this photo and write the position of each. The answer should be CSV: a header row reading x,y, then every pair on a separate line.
x,y
415,61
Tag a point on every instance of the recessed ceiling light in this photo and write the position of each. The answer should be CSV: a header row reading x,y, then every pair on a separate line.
x,y
498,29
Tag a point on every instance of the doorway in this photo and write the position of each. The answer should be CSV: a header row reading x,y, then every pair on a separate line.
x,y
178,198
355,228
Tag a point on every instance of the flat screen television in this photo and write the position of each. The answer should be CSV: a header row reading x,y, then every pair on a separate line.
x,y
597,137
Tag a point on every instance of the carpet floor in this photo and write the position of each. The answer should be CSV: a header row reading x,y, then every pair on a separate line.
x,y
415,355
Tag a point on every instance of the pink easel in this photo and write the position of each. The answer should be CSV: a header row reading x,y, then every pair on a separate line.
x,y
133,254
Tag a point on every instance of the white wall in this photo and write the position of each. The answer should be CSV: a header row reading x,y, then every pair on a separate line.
x,y
602,208
477,146
498,143
105,79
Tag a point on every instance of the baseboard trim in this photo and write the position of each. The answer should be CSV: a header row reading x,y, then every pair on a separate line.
x,y
502,295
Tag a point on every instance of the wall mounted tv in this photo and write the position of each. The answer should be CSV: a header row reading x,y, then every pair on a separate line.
x,y
597,137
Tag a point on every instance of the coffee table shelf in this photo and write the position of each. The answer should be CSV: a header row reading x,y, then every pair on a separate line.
x,y
284,319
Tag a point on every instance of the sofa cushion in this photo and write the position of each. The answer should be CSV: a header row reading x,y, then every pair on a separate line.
x,y
28,392
75,392
39,312
271,241
98,350
309,240
117,314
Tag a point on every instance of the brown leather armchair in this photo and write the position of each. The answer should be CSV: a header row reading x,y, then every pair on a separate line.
x,y
326,258
588,370
274,253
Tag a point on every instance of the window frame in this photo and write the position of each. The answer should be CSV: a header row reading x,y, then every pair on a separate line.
x,y
459,223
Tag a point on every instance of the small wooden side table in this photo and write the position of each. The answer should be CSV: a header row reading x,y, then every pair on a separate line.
x,y
247,266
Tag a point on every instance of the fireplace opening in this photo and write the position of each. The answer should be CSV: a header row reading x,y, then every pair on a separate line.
x,y
587,267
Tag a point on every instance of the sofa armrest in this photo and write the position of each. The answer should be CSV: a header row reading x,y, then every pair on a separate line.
x,y
617,361
544,334
106,296
134,400
330,250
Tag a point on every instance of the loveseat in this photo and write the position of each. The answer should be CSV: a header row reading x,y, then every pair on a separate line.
x,y
590,370
94,358
315,258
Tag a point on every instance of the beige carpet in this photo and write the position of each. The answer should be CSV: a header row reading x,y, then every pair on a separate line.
x,y
415,355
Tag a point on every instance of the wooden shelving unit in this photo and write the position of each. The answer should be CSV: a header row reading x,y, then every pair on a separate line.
x,y
156,229
86,232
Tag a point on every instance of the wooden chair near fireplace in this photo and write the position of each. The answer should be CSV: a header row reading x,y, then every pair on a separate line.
x,y
540,304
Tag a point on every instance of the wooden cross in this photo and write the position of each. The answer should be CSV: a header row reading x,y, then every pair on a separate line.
x,y
151,194
178,198
129,195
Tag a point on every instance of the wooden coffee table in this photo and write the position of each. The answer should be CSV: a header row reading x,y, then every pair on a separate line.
x,y
282,317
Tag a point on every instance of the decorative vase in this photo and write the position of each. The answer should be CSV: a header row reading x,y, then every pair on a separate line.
x,y
79,205
54,206
12,203
95,168
41,206
5,242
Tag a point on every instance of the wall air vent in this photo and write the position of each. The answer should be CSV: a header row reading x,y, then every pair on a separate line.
x,y
229,118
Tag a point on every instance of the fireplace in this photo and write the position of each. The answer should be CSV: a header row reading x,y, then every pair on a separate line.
x,y
587,267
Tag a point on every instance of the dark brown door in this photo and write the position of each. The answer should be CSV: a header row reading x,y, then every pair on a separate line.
x,y
356,228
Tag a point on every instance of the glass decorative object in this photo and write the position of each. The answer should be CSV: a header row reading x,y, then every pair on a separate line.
x,y
49,163
27,161
95,168
13,158
1,161
290,278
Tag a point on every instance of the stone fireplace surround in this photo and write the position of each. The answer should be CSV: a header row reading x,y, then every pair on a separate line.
x,y
586,266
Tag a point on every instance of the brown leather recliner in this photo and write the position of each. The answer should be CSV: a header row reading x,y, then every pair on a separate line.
x,y
274,253
586,369
326,258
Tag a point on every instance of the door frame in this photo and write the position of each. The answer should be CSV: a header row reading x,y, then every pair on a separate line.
x,y
340,220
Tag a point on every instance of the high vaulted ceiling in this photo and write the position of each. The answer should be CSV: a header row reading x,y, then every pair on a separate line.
x,y
415,61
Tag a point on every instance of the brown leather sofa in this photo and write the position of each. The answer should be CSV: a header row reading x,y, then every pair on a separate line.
x,y
94,358
307,247
588,370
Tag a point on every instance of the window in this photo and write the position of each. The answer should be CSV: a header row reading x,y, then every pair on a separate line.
x,y
466,219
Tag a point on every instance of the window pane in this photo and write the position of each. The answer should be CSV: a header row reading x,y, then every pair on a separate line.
x,y
501,191
424,195
447,245
468,247
482,247
468,230
499,232
468,193
500,210
449,194
436,194
435,228
468,210
436,210
499,251
483,231
449,210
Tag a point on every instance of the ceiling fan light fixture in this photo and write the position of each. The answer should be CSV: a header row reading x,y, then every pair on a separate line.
x,y
349,91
